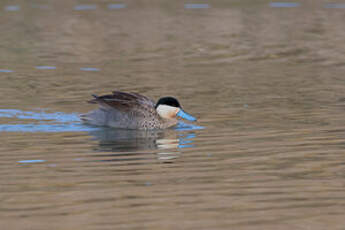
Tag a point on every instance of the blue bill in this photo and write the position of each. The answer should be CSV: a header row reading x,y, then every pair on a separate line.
x,y
185,115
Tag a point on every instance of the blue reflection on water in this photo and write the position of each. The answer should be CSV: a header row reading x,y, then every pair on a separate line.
x,y
45,122
30,161
116,6
49,128
41,115
85,7
12,8
89,69
43,67
6,71
42,121
181,126
284,4
335,5
186,140
196,6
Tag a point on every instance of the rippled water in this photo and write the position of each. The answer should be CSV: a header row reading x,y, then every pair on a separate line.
x,y
265,80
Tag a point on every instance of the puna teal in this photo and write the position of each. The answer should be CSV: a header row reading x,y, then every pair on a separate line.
x,y
135,111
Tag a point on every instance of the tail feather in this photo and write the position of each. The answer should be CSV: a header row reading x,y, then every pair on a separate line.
x,y
93,101
85,118
95,117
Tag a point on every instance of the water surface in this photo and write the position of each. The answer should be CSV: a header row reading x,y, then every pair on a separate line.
x,y
265,81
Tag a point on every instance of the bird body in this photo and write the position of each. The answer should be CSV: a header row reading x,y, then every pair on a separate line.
x,y
133,111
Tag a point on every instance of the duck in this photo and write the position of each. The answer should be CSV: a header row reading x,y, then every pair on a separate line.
x,y
129,110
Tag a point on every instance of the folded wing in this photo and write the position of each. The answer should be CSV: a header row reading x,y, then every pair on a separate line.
x,y
125,102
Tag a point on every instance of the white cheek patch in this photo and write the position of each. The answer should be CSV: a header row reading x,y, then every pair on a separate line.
x,y
167,112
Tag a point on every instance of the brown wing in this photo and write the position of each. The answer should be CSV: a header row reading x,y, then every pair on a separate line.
x,y
124,101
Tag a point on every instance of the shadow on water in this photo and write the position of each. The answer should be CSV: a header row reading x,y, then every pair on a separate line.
x,y
121,143
130,140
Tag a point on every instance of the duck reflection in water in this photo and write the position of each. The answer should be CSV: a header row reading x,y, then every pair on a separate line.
x,y
123,142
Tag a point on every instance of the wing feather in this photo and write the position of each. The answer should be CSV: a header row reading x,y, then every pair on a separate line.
x,y
125,102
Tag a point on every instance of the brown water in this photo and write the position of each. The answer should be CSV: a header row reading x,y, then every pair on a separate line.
x,y
266,83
